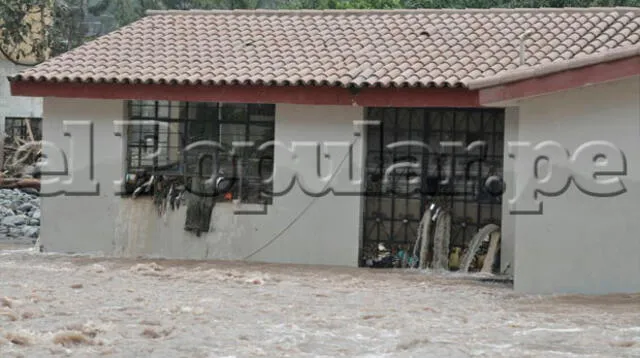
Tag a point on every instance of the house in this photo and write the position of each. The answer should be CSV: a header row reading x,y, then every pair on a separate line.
x,y
13,110
13,59
543,102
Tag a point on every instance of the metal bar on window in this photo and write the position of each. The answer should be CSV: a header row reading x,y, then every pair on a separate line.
x,y
455,194
204,120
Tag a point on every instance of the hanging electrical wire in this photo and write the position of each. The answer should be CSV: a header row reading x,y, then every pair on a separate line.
x,y
305,209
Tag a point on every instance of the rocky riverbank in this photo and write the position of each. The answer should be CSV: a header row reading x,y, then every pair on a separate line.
x,y
19,214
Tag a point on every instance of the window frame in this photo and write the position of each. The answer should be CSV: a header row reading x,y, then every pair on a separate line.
x,y
214,119
35,122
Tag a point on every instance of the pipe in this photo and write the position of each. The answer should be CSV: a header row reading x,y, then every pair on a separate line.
x,y
523,38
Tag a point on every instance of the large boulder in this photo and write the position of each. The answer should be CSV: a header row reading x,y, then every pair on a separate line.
x,y
26,207
31,231
4,211
16,220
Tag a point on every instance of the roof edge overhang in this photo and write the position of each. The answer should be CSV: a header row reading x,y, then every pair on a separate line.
x,y
308,95
560,76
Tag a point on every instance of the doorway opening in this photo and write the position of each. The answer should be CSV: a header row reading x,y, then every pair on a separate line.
x,y
453,158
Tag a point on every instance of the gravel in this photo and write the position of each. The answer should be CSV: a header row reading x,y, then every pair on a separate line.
x,y
19,215
54,305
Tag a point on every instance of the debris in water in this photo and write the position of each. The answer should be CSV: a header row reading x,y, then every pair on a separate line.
x,y
479,262
88,329
77,286
97,268
10,314
107,352
186,309
18,339
145,322
150,333
153,334
6,302
454,259
147,268
72,338
488,262
474,245
34,298
412,344
372,316
255,281
386,261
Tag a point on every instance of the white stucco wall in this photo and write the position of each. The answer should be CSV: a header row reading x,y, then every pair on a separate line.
x,y
581,243
327,233
15,106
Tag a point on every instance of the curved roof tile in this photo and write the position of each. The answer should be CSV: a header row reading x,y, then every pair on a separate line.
x,y
340,48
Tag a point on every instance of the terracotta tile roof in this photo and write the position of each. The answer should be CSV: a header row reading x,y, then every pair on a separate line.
x,y
579,61
340,48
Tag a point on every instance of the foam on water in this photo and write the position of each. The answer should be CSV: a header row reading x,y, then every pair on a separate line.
x,y
170,309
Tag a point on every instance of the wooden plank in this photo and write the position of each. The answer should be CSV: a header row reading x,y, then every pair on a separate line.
x,y
27,123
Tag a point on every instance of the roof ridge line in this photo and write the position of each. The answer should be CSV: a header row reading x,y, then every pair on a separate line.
x,y
392,11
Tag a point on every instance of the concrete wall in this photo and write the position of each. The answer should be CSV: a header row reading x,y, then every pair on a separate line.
x,y
507,241
581,243
81,222
323,230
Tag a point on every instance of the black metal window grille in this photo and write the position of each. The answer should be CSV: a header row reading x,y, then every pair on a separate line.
x,y
159,148
451,176
16,127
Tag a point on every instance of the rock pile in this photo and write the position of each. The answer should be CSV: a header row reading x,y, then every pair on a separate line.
x,y
19,214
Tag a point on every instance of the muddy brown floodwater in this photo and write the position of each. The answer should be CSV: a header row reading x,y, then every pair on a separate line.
x,y
53,305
